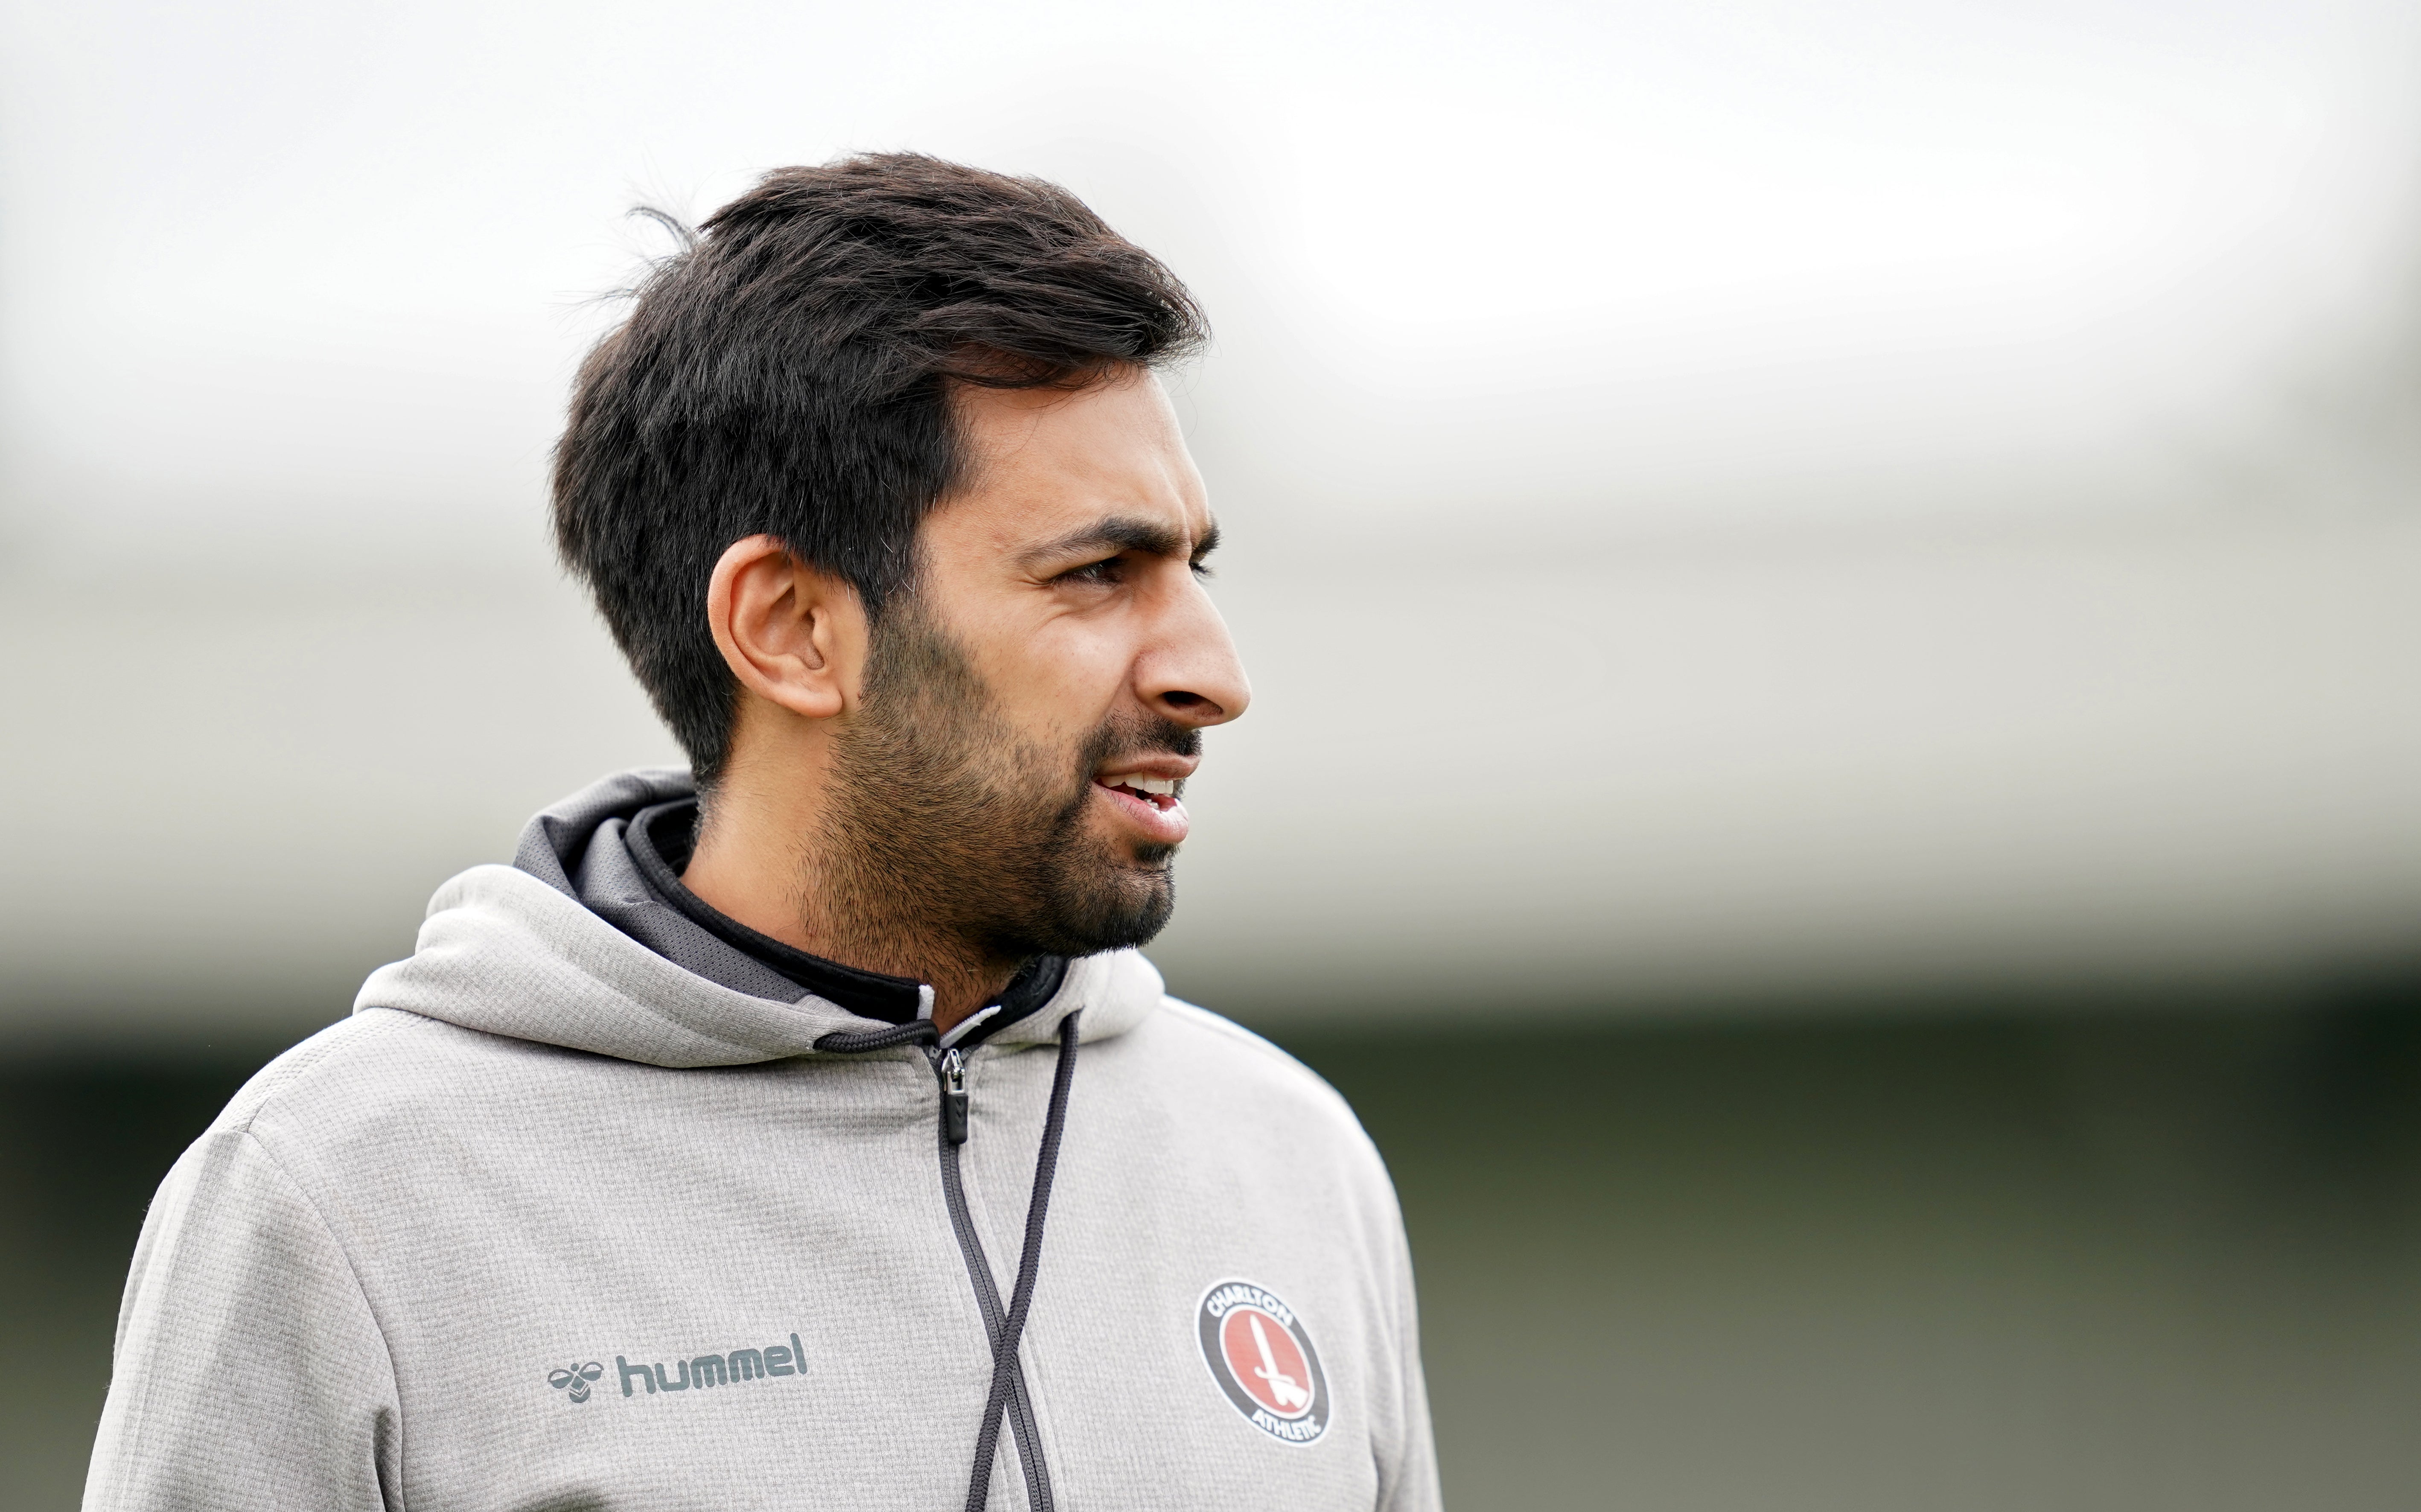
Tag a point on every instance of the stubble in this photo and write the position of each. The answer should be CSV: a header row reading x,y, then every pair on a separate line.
x,y
953,842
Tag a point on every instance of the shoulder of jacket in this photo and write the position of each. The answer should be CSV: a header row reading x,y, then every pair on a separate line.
x,y
1242,1054
339,1064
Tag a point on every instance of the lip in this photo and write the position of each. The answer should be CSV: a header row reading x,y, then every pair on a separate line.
x,y
1166,765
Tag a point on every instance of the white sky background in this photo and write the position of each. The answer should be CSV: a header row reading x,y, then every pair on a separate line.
x,y
278,263
1898,480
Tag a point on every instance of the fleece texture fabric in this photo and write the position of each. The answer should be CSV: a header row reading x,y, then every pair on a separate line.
x,y
553,1221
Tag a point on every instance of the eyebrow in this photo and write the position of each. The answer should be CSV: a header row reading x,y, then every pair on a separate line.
x,y
1121,533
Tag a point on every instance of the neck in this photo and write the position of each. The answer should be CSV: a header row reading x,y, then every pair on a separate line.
x,y
772,855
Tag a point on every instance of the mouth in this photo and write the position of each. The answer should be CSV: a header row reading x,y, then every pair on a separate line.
x,y
1148,802
1160,792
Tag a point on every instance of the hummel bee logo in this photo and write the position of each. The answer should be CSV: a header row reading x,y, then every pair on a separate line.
x,y
575,1376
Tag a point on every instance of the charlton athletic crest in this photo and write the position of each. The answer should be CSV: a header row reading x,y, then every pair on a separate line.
x,y
1260,1354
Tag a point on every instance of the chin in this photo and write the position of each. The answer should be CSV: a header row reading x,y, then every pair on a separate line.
x,y
1115,908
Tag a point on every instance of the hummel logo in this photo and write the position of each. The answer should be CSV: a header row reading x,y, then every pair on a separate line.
x,y
575,1376
695,1373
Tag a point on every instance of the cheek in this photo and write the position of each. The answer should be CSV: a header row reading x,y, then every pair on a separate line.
x,y
1060,684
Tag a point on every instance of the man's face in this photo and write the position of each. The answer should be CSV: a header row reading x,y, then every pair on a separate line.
x,y
1032,710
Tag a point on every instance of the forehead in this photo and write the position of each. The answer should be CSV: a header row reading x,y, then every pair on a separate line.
x,y
1043,461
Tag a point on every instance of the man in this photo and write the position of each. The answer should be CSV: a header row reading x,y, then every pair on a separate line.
x,y
731,1148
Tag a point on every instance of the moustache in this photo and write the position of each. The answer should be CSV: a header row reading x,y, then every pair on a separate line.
x,y
1127,736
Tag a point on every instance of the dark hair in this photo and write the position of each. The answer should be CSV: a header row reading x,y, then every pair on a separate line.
x,y
789,373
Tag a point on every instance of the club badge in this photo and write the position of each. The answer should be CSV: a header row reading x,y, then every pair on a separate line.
x,y
1261,1355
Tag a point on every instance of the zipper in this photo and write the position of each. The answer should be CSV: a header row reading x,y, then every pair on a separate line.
x,y
950,1072
953,1068
1008,1397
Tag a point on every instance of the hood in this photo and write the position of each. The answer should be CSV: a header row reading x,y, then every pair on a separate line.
x,y
510,951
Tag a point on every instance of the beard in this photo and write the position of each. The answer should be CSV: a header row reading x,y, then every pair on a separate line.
x,y
947,824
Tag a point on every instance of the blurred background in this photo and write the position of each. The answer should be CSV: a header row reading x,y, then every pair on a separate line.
x,y
1837,767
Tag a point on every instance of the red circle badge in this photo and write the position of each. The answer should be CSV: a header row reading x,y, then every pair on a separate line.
x,y
1262,1357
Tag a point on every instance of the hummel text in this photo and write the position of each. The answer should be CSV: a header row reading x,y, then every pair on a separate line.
x,y
714,1369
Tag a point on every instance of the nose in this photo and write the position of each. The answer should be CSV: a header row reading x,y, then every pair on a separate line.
x,y
1191,673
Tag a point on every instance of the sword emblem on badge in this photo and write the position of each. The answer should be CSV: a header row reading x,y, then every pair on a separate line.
x,y
1282,1385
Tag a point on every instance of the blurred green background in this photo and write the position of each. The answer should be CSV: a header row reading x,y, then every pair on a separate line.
x,y
2160,1255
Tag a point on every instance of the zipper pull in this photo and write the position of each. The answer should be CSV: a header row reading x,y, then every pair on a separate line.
x,y
954,1097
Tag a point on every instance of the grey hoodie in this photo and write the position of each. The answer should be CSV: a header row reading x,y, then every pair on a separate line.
x,y
554,1221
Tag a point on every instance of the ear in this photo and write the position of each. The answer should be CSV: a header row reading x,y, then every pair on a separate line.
x,y
792,634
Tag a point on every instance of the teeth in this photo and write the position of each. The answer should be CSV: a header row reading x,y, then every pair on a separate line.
x,y
1160,786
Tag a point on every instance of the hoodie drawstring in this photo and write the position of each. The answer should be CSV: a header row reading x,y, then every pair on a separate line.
x,y
1029,1265
844,1042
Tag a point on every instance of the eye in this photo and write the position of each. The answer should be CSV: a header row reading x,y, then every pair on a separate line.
x,y
1109,569
1201,569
